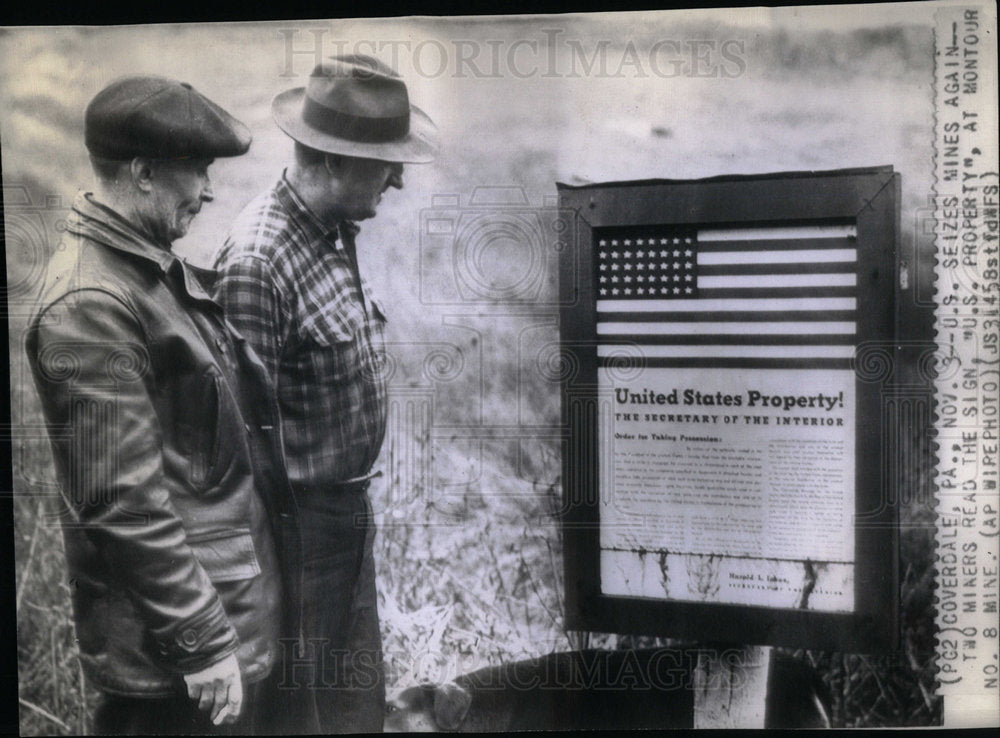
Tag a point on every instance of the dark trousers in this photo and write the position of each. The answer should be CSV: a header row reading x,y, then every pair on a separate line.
x,y
342,665
179,715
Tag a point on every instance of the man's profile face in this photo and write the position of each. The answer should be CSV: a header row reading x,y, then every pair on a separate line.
x,y
180,187
362,183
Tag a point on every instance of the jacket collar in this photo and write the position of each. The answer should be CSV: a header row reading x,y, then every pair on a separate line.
x,y
100,223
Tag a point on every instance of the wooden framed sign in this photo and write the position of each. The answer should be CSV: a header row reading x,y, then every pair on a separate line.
x,y
726,475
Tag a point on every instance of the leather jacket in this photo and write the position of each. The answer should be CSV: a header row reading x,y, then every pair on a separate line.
x,y
180,528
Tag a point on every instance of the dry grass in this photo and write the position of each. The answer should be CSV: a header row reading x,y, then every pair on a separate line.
x,y
54,695
469,575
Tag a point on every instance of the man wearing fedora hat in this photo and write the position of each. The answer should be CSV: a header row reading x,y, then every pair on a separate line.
x,y
290,283
176,518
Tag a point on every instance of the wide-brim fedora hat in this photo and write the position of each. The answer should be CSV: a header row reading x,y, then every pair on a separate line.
x,y
356,106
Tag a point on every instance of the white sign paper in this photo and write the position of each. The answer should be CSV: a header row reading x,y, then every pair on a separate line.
x,y
731,486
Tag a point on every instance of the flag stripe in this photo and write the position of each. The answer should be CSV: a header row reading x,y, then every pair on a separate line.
x,y
737,327
728,305
834,267
797,256
778,292
733,363
752,293
792,244
781,232
729,316
706,351
780,280
748,339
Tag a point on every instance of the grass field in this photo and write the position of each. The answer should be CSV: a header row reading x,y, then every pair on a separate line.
x,y
469,555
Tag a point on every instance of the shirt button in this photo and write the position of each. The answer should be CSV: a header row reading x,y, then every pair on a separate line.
x,y
189,637
248,427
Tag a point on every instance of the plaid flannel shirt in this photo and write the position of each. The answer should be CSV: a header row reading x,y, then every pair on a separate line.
x,y
287,283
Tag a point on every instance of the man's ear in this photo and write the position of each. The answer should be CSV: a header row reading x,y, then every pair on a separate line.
x,y
451,705
141,170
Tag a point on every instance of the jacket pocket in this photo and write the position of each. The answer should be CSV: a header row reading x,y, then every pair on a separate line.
x,y
206,432
226,556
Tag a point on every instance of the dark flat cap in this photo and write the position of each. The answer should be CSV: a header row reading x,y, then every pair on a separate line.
x,y
160,118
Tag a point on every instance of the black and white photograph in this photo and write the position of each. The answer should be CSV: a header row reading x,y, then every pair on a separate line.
x,y
491,373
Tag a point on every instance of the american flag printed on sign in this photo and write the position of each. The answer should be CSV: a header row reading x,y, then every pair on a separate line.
x,y
754,297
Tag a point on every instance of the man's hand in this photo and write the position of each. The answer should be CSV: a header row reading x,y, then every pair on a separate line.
x,y
218,689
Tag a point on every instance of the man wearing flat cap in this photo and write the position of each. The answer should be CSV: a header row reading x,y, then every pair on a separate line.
x,y
289,281
163,428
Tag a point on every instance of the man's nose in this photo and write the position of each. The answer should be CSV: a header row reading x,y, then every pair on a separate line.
x,y
396,176
206,192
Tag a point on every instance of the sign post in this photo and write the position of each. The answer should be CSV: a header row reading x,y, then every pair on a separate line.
x,y
732,694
